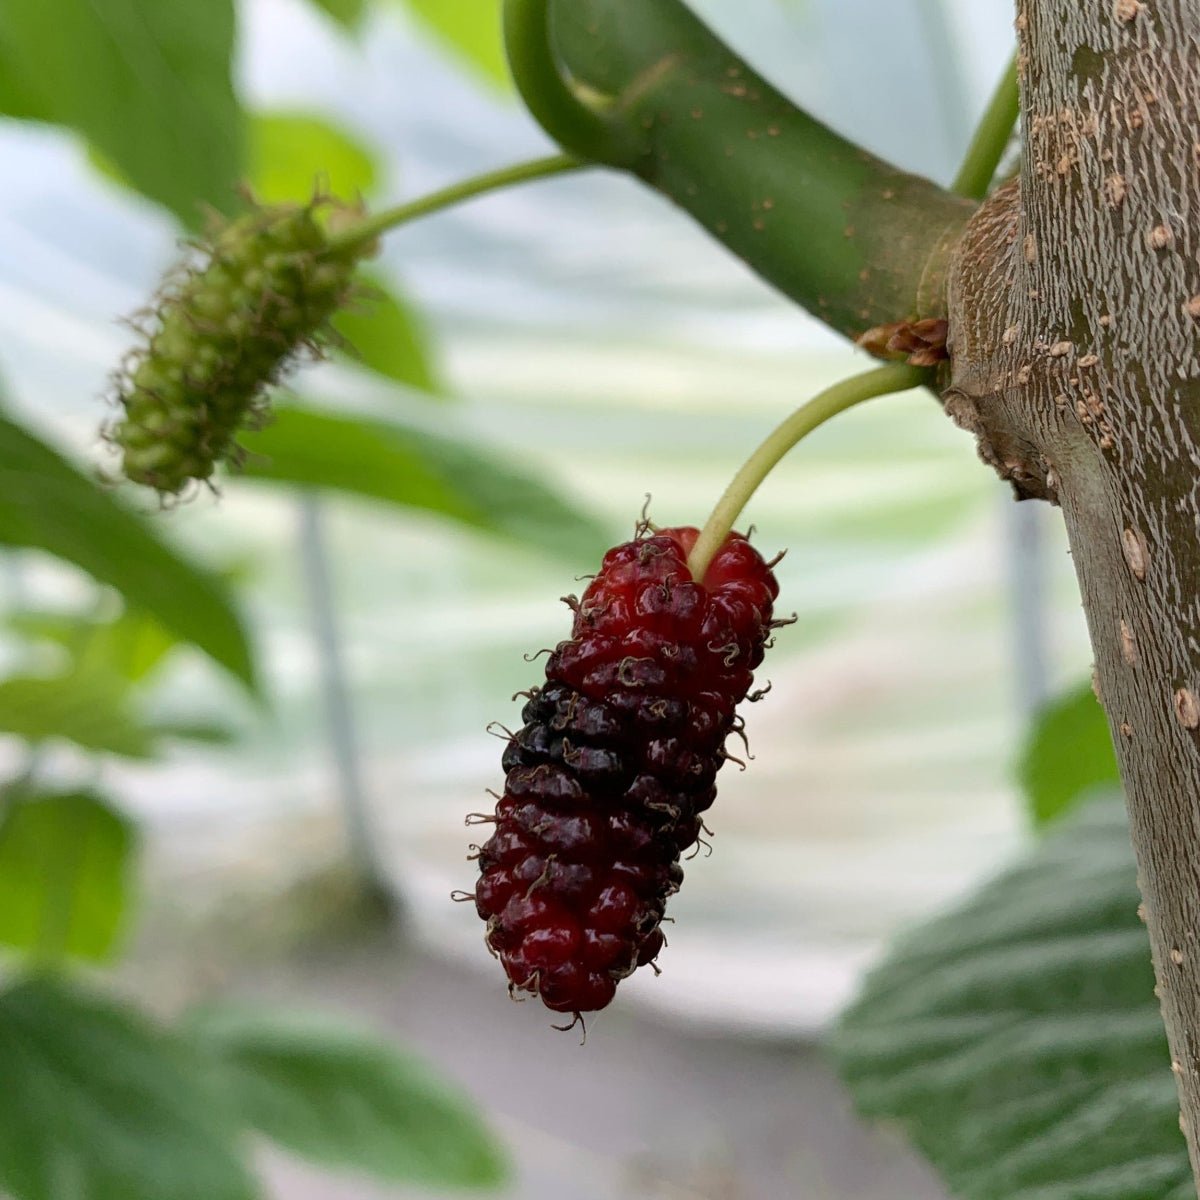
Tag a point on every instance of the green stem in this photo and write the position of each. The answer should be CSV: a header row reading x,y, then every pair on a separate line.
x,y
991,138
834,400
355,236
973,180
574,117
854,240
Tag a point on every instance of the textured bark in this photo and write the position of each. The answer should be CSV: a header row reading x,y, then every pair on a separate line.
x,y
1075,332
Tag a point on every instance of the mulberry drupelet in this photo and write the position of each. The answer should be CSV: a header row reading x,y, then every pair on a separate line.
x,y
607,781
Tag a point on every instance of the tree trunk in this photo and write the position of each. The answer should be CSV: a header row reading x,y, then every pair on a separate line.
x,y
1075,326
1074,312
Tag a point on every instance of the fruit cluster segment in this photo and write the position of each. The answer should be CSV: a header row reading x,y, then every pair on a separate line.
x,y
223,330
607,782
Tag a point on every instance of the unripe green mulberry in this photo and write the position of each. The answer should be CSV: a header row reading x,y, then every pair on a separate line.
x,y
222,331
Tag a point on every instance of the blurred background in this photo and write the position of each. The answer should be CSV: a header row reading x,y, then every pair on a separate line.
x,y
588,336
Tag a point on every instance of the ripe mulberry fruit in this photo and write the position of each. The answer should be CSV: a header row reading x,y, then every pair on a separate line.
x,y
607,781
223,329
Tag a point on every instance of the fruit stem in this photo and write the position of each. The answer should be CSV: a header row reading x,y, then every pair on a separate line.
x,y
991,137
354,237
973,180
818,410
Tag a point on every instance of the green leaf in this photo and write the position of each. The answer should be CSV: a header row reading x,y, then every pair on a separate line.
x,y
89,709
130,646
1017,1040
109,657
406,465
348,1100
349,13
98,1105
147,82
293,153
16,100
64,873
471,28
385,334
1069,751
46,504
206,733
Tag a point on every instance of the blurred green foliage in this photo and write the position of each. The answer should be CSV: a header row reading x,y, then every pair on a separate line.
x,y
97,1101
1068,752
295,154
148,84
346,12
129,644
330,1094
65,866
471,28
409,465
1017,1040
386,334
90,709
46,504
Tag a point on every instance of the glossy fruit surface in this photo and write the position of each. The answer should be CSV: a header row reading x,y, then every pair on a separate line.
x,y
616,762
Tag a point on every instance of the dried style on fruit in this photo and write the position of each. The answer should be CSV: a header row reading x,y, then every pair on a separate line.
x,y
607,782
223,329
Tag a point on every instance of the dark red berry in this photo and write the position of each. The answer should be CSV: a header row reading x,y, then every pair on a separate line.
x,y
606,782
651,945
